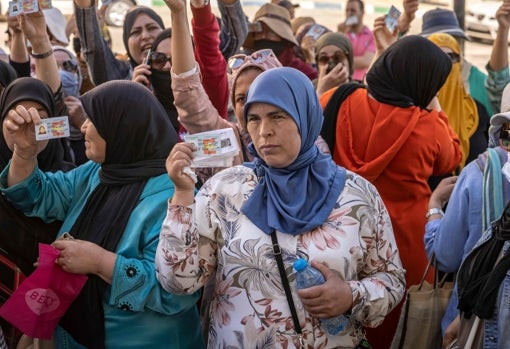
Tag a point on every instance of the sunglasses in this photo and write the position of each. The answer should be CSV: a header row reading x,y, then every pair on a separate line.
x,y
257,57
70,66
158,60
326,59
453,56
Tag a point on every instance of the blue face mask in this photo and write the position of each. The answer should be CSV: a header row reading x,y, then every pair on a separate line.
x,y
70,83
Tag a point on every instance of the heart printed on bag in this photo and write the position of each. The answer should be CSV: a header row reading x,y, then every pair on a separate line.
x,y
42,300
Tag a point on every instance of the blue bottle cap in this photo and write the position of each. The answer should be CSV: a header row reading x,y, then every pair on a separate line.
x,y
300,264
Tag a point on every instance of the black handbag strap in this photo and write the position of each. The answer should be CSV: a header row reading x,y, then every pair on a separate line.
x,y
281,268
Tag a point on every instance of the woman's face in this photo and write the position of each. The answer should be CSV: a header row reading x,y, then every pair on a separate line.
x,y
243,81
165,47
274,133
141,36
331,55
27,104
95,145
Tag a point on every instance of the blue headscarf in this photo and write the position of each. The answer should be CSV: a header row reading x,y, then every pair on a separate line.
x,y
299,197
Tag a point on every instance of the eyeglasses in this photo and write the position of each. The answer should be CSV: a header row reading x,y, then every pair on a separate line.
x,y
257,57
453,56
70,66
158,60
337,58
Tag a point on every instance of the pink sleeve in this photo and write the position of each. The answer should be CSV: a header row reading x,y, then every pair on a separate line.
x,y
370,41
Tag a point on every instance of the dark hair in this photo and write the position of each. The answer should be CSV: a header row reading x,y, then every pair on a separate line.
x,y
165,34
360,2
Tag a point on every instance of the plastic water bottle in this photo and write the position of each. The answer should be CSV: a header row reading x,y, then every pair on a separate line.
x,y
308,276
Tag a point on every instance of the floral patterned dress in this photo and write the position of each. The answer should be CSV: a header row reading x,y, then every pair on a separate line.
x,y
213,238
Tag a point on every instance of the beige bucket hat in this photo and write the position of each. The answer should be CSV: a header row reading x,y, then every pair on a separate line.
x,y
277,18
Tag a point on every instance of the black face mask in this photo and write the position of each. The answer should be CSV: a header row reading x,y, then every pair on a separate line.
x,y
276,46
161,82
76,45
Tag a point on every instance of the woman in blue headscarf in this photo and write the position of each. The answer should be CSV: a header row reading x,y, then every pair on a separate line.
x,y
317,211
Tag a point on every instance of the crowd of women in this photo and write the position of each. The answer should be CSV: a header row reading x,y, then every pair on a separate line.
x,y
345,174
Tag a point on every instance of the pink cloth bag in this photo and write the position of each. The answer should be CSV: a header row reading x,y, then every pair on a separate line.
x,y
36,307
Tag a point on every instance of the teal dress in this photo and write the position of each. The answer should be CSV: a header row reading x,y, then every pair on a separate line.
x,y
138,312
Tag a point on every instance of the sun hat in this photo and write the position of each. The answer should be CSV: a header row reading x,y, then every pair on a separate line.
x,y
287,4
56,23
277,18
497,120
295,23
442,21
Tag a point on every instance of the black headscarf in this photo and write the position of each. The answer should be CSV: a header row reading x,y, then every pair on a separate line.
x,y
130,20
161,82
7,74
480,277
138,138
30,89
20,235
410,72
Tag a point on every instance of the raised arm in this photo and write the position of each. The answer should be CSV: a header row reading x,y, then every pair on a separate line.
x,y
212,65
19,125
196,112
183,58
102,63
382,36
497,68
18,47
408,15
33,26
234,27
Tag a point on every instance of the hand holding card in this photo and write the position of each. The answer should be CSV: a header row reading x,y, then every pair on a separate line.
x,y
52,128
352,20
391,19
316,31
15,8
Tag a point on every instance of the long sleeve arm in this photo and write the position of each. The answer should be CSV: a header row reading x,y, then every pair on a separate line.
x,y
213,66
102,63
234,27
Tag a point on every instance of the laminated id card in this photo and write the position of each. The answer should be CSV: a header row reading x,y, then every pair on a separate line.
x,y
52,128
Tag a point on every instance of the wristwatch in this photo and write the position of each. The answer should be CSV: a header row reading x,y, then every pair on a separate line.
x,y
434,210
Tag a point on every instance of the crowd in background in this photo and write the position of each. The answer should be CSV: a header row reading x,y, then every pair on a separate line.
x,y
365,151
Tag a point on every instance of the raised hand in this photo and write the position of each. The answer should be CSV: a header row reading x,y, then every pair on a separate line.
x,y
33,25
308,48
337,76
141,73
176,6
383,37
410,8
503,14
84,3
77,115
180,157
20,126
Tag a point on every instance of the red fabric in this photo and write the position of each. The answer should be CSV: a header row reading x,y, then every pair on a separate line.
x,y
212,64
288,58
397,150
